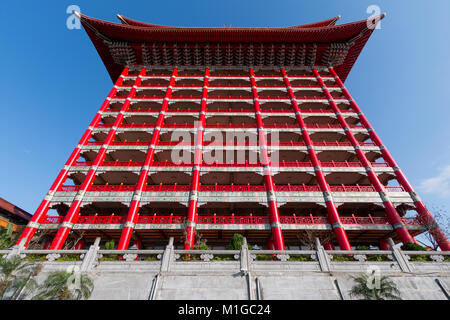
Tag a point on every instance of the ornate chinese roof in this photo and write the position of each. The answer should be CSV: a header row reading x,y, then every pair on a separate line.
x,y
317,44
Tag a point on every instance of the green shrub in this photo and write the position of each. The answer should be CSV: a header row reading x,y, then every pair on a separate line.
x,y
109,257
299,258
152,257
412,247
110,245
201,245
262,257
372,257
415,247
420,258
236,242
7,237
377,258
341,258
35,257
222,257
69,258
190,257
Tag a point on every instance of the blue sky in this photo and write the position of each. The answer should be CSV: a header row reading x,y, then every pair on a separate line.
x,y
53,81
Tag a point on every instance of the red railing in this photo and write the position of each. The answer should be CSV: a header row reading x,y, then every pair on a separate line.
x,y
225,126
318,97
231,143
166,163
223,110
230,188
223,86
291,76
354,220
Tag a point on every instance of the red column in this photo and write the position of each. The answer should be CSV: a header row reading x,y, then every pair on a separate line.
x,y
423,212
268,180
80,244
195,182
132,216
47,244
384,245
392,214
270,245
73,213
333,215
328,245
42,210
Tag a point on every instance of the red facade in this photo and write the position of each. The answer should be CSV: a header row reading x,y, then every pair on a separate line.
x,y
209,132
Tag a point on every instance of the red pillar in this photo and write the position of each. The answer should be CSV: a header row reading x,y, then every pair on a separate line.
x,y
268,180
195,182
73,213
328,245
132,216
42,210
384,245
423,212
392,214
270,245
333,215
80,244
47,244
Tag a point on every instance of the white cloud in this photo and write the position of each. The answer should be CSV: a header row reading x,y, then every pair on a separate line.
x,y
439,185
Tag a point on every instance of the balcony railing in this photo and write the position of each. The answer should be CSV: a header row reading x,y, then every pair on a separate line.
x,y
171,219
230,126
228,188
246,76
225,98
296,164
224,86
212,111
232,143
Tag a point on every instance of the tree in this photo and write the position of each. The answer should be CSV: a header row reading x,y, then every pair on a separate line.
x,y
110,245
72,240
63,285
415,247
365,287
201,245
39,237
236,242
441,223
16,275
307,238
7,237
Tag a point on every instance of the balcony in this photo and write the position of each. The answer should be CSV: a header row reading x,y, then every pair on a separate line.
x,y
228,220
227,188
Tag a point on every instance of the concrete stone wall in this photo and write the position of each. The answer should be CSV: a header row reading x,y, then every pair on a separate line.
x,y
244,277
120,280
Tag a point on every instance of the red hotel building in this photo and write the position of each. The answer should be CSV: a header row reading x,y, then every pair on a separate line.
x,y
212,131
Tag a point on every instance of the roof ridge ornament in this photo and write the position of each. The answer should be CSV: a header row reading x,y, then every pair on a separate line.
x,y
122,19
